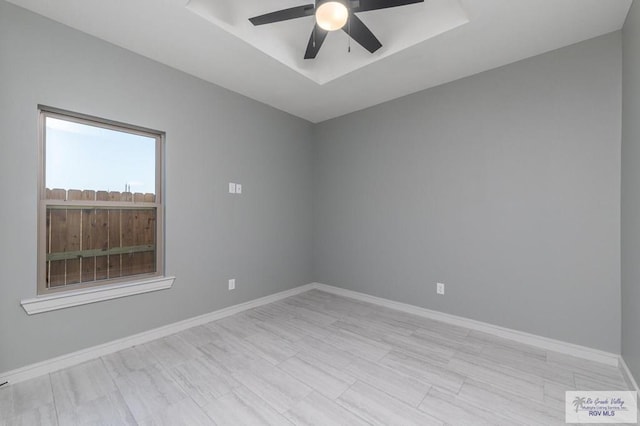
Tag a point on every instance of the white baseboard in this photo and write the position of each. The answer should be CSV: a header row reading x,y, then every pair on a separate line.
x,y
74,358
626,373
518,336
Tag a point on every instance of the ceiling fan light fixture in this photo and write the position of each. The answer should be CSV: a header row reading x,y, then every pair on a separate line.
x,y
331,15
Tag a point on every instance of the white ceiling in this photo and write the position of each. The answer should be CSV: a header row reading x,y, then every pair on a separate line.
x,y
498,32
397,29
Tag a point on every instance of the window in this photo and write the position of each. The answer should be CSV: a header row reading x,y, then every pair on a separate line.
x,y
100,214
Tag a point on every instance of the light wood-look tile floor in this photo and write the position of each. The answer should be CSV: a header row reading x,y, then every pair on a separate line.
x,y
315,358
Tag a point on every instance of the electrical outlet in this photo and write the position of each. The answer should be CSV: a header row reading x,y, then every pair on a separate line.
x,y
232,284
440,288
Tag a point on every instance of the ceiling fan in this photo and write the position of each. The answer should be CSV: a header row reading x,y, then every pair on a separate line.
x,y
332,15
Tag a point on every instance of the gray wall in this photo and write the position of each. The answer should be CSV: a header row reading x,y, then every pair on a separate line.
x,y
505,186
630,191
262,237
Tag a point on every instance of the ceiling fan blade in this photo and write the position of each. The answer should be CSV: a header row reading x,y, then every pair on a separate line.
x,y
283,15
364,5
362,34
315,42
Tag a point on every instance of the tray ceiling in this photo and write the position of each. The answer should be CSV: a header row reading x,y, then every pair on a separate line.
x,y
397,29
266,65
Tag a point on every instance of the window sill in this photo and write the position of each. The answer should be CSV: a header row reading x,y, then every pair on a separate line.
x,y
53,302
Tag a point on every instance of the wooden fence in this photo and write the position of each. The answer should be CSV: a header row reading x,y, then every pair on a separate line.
x,y
87,244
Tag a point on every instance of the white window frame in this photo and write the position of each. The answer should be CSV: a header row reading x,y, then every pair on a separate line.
x,y
88,292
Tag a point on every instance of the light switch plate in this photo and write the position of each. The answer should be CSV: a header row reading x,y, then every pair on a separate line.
x,y
238,188
232,284
232,188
